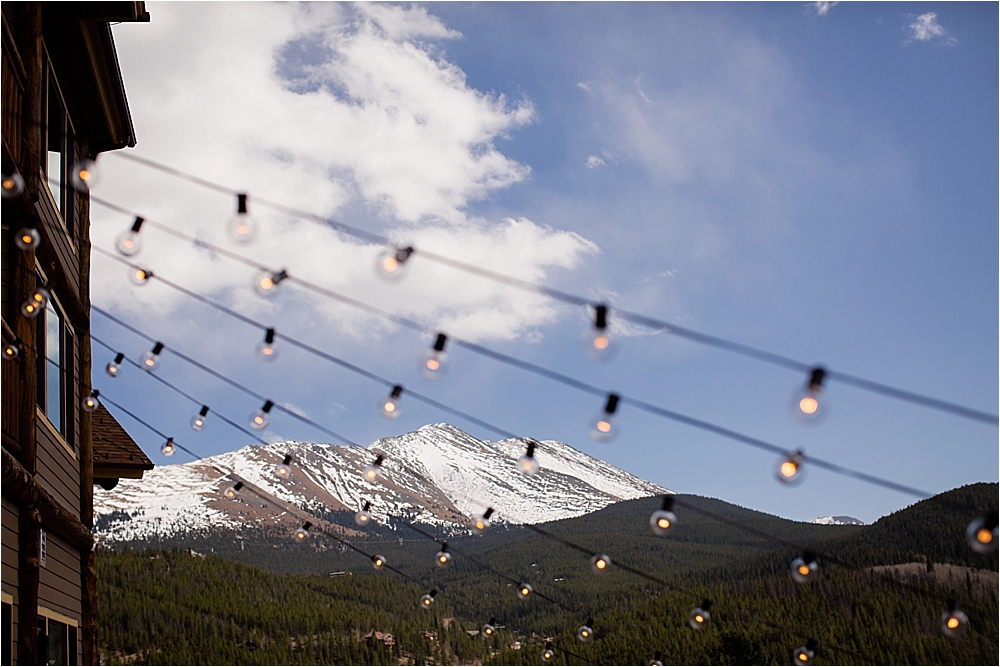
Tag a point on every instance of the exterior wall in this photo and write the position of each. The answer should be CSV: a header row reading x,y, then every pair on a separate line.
x,y
59,578
58,468
8,569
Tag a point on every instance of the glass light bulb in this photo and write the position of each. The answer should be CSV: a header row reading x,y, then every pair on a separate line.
x,y
426,601
548,654
698,618
388,406
524,590
527,465
85,175
301,534
139,276
258,420
585,633
90,402
954,623
242,227
392,262
442,558
362,518
982,534
283,470
488,629
149,360
480,525
598,344
112,369
128,243
661,521
803,656
10,352
27,238
30,308
378,562
40,296
791,470
803,572
655,662
12,185
198,422
231,492
371,472
267,351
808,403
266,283
603,427
600,563
433,364
168,448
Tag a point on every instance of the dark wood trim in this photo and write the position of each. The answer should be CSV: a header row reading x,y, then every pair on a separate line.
x,y
28,564
88,561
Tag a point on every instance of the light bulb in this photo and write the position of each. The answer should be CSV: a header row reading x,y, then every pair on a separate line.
x,y
804,568
982,534
10,352
603,424
434,361
242,226
427,600
808,404
114,367
12,185
443,557
596,341
139,276
489,629
805,655
168,448
129,242
151,359
663,519
363,517
268,284
527,463
258,419
600,563
266,349
524,590
373,471
657,660
392,262
27,238
85,175
586,631
35,303
954,622
199,421
284,469
378,562
90,401
699,616
548,653
482,524
301,534
388,407
790,470
232,491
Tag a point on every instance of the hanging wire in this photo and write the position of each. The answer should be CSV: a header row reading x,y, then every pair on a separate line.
x,y
565,297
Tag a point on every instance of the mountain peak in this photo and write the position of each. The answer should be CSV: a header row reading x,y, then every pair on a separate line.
x,y
838,521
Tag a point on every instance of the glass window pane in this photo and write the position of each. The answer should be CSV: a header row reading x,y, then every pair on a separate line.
x,y
54,170
57,643
53,366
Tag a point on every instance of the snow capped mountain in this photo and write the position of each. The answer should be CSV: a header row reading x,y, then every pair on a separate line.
x,y
838,521
437,474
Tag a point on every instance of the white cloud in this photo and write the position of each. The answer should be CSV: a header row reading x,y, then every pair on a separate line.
x,y
823,7
925,28
334,109
593,162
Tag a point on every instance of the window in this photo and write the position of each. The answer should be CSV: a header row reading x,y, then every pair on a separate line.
x,y
58,148
55,371
8,634
57,640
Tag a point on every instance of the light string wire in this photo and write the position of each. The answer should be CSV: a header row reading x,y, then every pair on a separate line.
x,y
557,377
636,318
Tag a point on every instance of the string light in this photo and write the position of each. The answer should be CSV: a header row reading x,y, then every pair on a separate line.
x,y
242,226
524,590
35,302
482,524
586,631
168,448
982,534
954,622
805,567
434,361
267,284
489,628
805,655
427,600
151,359
527,464
388,407
657,660
600,563
114,367
790,470
548,653
363,516
266,349
284,469
699,616
11,185
373,470
378,562
90,401
391,262
808,405
301,534
129,243
85,175
10,352
199,420
663,519
139,276
27,238
232,491
597,344
602,426
443,557
258,419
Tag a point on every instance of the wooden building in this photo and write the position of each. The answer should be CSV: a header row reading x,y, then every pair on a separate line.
x,y
63,102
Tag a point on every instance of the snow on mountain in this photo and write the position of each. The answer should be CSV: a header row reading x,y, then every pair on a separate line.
x,y
838,521
438,474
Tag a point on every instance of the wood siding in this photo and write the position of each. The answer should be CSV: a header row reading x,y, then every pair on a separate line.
x,y
8,566
59,580
58,472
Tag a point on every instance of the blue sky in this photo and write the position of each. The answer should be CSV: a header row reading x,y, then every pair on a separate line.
x,y
821,185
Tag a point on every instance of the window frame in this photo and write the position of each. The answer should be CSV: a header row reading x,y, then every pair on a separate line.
x,y
64,426
65,200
